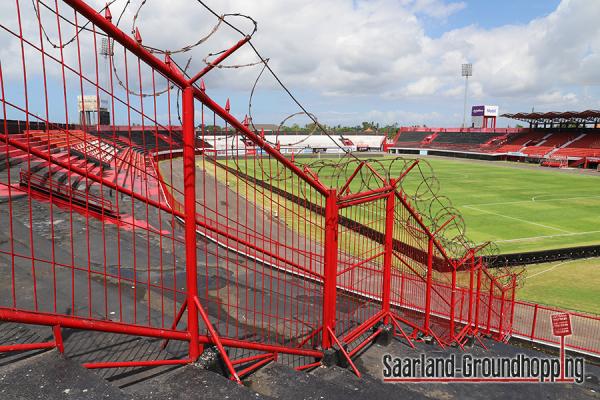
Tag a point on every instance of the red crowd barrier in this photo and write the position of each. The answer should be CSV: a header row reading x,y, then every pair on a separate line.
x,y
533,322
161,239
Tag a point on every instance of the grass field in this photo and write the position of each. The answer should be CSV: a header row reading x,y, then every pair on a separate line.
x,y
523,209
519,208
567,284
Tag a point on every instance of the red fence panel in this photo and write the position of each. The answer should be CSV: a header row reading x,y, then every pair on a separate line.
x,y
84,198
105,204
533,322
134,203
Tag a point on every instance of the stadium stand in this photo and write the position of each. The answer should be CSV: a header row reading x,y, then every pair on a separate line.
x,y
468,140
118,153
554,146
462,140
518,141
587,145
559,136
548,143
366,142
411,137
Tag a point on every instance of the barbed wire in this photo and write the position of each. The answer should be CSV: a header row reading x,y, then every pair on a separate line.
x,y
434,209
234,66
182,49
151,49
423,195
36,9
276,77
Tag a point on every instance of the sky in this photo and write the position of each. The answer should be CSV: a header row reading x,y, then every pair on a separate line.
x,y
486,15
385,61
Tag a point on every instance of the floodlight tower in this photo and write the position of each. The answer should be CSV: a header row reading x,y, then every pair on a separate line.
x,y
105,53
467,71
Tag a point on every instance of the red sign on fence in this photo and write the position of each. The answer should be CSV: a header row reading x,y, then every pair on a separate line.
x,y
561,324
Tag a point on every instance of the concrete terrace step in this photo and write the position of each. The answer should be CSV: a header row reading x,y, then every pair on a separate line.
x,y
365,387
92,347
51,376
191,382
76,382
12,334
281,382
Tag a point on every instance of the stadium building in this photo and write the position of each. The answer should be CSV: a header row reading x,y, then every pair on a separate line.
x,y
553,139
297,143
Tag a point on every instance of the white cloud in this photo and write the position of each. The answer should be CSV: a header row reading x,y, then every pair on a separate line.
x,y
557,97
423,87
380,48
377,52
386,117
403,117
437,8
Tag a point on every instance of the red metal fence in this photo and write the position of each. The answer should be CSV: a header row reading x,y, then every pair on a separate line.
x,y
135,227
533,322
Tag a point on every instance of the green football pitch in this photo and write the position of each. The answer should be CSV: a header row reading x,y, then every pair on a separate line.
x,y
519,207
546,284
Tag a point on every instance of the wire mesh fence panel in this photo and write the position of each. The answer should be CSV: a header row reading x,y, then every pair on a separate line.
x,y
132,202
360,264
93,176
410,259
76,181
423,271
533,322
492,304
261,239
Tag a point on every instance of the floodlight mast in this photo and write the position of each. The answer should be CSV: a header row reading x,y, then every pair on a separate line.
x,y
467,71
105,52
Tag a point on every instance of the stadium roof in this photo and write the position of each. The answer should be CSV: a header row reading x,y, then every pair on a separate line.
x,y
588,116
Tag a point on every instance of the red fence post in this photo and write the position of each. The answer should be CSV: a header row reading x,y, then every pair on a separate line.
x,y
189,181
429,282
478,294
452,302
512,306
471,291
490,305
534,322
330,267
387,255
501,316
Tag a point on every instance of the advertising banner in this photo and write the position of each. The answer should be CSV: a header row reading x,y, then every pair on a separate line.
x,y
478,111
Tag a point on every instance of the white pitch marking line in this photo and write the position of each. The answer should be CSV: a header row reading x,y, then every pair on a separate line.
x,y
529,201
544,237
551,268
518,219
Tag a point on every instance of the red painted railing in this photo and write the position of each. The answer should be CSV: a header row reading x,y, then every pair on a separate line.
x,y
486,130
201,254
532,322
